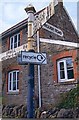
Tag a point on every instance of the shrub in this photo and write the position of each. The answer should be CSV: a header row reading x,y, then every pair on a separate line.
x,y
70,99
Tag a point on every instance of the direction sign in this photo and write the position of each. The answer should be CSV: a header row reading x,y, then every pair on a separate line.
x,y
53,29
29,57
42,17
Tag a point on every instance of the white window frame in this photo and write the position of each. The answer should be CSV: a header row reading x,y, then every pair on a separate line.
x,y
17,89
13,40
65,70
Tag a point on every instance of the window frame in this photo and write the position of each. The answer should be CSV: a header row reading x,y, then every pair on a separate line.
x,y
65,70
11,73
12,44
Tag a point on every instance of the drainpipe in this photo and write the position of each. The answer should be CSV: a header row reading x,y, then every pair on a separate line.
x,y
39,80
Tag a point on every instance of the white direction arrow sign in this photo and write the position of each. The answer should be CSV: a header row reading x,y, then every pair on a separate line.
x,y
43,16
53,29
30,57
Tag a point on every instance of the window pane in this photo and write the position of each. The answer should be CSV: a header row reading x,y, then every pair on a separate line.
x,y
14,76
12,40
18,39
17,80
11,43
10,78
14,85
15,39
15,45
9,85
17,75
62,75
14,80
11,46
70,74
17,84
18,36
69,63
61,65
18,43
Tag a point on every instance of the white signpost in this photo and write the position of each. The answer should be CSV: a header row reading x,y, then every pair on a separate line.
x,y
53,29
33,58
42,17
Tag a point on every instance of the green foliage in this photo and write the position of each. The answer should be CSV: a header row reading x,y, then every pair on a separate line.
x,y
70,99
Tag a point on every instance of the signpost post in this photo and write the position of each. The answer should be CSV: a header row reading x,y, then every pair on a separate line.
x,y
34,24
30,97
30,57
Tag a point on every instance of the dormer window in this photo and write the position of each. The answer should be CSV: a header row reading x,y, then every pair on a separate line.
x,y
15,41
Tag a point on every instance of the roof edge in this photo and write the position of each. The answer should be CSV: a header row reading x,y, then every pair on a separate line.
x,y
71,20
3,34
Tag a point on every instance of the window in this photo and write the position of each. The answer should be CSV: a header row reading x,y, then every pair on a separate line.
x,y
65,70
15,41
13,81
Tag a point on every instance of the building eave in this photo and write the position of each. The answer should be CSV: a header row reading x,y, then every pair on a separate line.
x,y
14,28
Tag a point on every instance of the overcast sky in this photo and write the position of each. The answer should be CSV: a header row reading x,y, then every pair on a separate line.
x,y
12,11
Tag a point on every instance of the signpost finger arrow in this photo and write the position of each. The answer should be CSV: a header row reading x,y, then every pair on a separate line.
x,y
34,58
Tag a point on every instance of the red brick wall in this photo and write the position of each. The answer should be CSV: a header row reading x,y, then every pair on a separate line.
x,y
21,37
8,43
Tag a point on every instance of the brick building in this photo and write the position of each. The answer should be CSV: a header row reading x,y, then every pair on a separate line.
x,y
60,74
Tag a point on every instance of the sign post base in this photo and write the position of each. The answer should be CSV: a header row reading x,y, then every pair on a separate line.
x,y
30,96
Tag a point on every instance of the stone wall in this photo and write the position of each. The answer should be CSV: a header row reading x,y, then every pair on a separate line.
x,y
13,111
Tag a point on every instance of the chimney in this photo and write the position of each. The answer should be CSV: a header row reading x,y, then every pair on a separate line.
x,y
60,3
60,7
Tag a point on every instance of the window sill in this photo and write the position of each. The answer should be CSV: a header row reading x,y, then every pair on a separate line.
x,y
64,81
72,82
13,92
